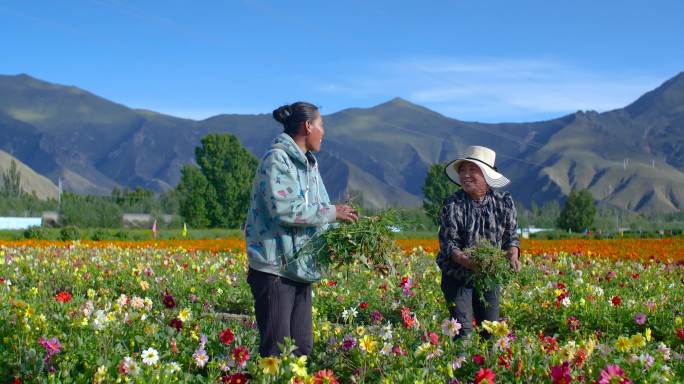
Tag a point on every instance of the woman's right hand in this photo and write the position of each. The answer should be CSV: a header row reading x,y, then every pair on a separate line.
x,y
462,259
344,212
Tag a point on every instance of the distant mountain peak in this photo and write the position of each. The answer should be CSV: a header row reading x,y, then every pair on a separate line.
x,y
669,95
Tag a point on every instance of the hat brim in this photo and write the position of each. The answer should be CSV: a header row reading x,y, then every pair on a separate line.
x,y
493,178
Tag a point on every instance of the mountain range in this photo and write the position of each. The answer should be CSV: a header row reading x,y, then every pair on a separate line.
x,y
632,157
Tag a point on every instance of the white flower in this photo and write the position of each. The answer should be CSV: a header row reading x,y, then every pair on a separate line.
x,y
386,332
130,367
566,302
148,303
386,348
451,327
122,300
350,313
100,320
150,356
201,357
173,367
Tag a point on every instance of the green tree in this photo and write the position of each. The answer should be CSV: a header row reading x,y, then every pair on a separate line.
x,y
578,212
229,169
89,211
437,187
191,193
11,181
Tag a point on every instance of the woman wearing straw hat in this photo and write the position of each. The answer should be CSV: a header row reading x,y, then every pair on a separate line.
x,y
477,212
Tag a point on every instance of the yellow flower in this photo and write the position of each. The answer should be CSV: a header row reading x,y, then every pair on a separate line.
x,y
368,344
647,334
338,330
184,315
270,365
325,327
496,328
144,285
678,320
298,367
623,344
422,349
360,330
638,341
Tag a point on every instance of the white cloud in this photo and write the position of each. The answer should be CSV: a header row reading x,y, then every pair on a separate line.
x,y
494,89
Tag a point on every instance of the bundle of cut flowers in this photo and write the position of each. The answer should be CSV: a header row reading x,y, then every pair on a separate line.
x,y
369,241
491,267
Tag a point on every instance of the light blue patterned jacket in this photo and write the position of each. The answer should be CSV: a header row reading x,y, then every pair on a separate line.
x,y
289,205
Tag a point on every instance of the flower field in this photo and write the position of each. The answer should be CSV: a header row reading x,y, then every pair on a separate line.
x,y
585,311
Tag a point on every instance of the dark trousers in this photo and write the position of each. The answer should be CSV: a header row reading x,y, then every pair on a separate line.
x,y
283,309
464,304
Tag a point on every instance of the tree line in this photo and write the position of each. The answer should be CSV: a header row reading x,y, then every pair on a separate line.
x,y
215,193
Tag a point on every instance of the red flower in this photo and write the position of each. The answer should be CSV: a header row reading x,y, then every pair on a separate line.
x,y
63,297
17,381
241,355
680,334
176,323
168,300
616,300
408,319
560,374
227,336
363,305
479,359
484,376
434,338
235,378
635,275
332,283
325,376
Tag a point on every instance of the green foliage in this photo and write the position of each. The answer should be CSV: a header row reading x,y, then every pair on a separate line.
x,y
578,212
36,233
25,205
229,169
69,233
492,268
437,187
89,211
368,241
191,196
11,182
217,194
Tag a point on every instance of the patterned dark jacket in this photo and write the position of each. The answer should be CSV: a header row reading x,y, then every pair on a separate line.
x,y
463,223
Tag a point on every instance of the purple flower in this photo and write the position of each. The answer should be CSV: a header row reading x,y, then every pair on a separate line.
x,y
376,316
640,318
348,343
51,346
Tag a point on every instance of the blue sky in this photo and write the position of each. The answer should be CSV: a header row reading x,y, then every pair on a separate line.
x,y
488,61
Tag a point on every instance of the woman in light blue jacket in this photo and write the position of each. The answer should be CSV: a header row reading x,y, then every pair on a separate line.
x,y
289,205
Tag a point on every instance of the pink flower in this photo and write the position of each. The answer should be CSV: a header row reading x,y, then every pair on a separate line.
x,y
560,374
640,318
612,372
573,323
51,346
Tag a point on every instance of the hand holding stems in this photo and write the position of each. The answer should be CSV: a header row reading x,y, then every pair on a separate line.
x,y
462,258
344,212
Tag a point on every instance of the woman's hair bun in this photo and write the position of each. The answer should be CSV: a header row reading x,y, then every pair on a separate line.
x,y
282,113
